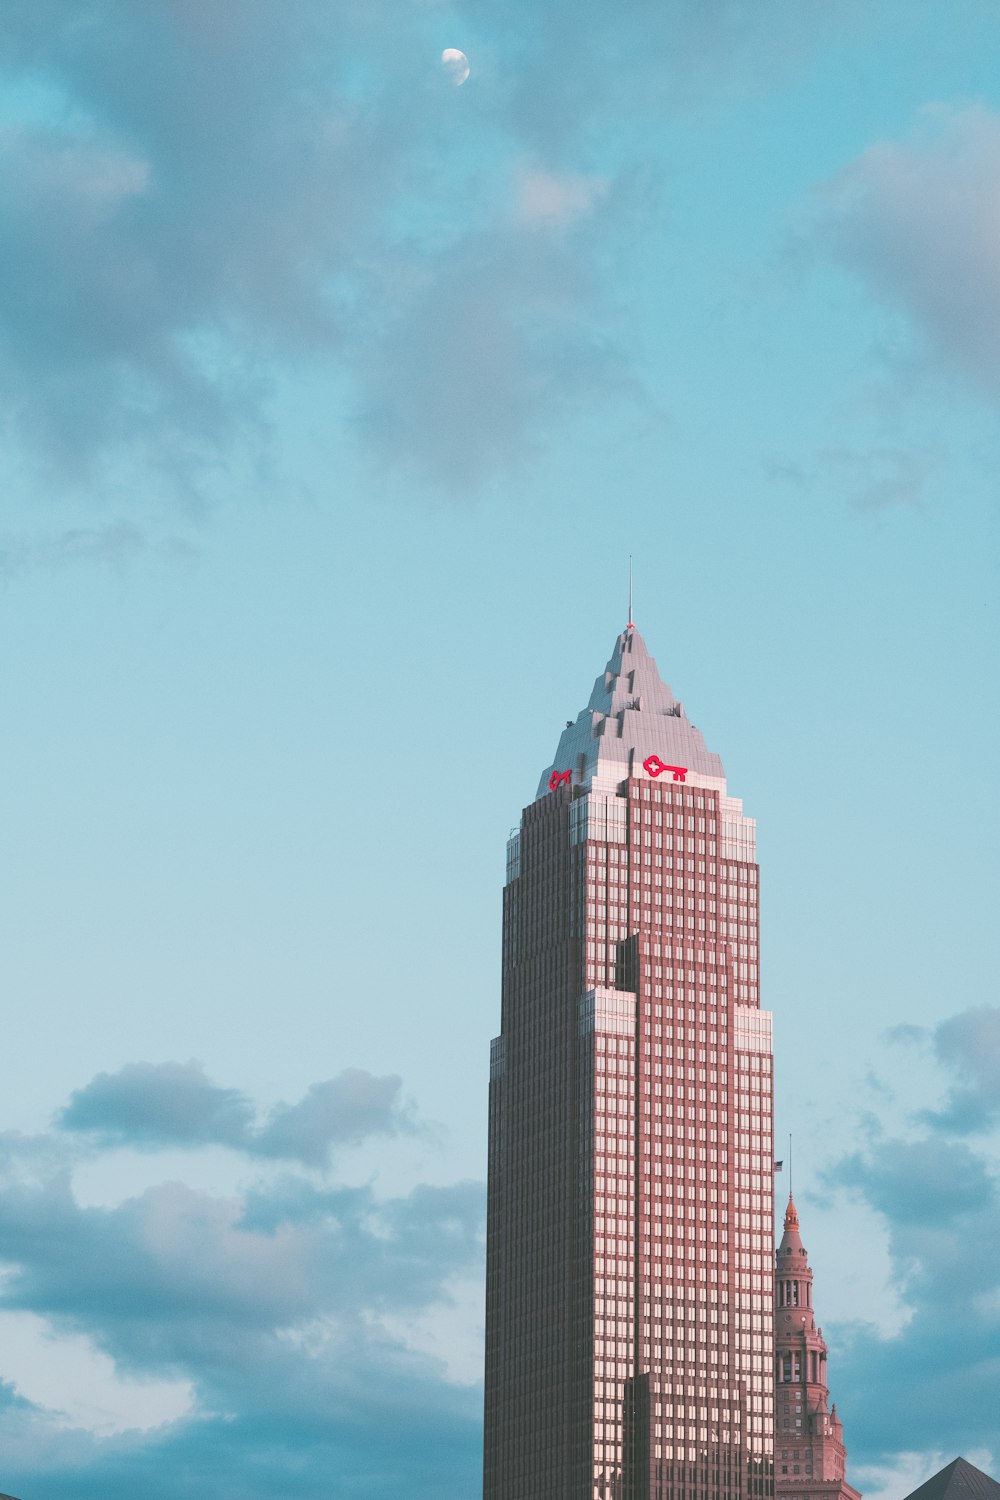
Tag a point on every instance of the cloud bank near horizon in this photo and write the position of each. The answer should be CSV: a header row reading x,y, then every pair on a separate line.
x,y
936,1189
289,1308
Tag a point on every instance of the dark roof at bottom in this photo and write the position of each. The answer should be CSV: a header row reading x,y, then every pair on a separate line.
x,y
958,1481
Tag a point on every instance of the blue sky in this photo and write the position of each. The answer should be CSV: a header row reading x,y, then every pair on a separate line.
x,y
334,399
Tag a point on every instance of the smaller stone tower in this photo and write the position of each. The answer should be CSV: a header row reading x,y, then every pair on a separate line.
x,y
809,1453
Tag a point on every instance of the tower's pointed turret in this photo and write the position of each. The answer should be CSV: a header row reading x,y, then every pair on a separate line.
x,y
809,1453
632,723
791,1240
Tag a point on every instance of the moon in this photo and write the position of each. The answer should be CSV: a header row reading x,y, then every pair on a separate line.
x,y
455,65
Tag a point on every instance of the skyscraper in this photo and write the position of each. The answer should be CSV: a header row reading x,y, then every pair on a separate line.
x,y
630,1253
810,1457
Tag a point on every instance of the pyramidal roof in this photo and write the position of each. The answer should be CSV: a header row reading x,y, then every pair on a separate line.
x,y
958,1481
631,716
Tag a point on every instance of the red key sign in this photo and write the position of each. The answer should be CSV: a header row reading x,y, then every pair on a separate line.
x,y
656,767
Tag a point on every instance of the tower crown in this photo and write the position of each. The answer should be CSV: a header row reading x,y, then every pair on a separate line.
x,y
631,717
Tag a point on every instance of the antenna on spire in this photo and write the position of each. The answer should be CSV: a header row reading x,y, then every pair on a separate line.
x,y
789,1164
631,622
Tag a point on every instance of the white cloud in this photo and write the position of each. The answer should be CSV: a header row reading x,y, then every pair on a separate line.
x,y
896,1480
450,1331
80,1384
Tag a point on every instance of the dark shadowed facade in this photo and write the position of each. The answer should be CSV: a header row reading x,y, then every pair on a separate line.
x,y
629,1317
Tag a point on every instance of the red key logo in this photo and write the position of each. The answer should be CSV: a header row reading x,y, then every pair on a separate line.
x,y
656,767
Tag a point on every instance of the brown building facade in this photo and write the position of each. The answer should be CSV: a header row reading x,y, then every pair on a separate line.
x,y
630,1251
810,1458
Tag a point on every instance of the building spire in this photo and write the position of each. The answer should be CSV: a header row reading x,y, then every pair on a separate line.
x,y
810,1458
631,622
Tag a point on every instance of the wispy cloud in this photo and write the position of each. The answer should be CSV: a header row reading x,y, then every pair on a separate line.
x,y
114,544
968,1046
917,219
489,347
248,208
200,200
882,477
550,200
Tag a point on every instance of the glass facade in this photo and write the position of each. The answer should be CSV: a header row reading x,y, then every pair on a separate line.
x,y
630,1348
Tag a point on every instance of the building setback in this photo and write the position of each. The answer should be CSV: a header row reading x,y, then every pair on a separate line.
x,y
630,1250
810,1458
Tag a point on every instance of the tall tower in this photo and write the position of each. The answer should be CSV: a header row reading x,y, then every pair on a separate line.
x,y
810,1456
629,1302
